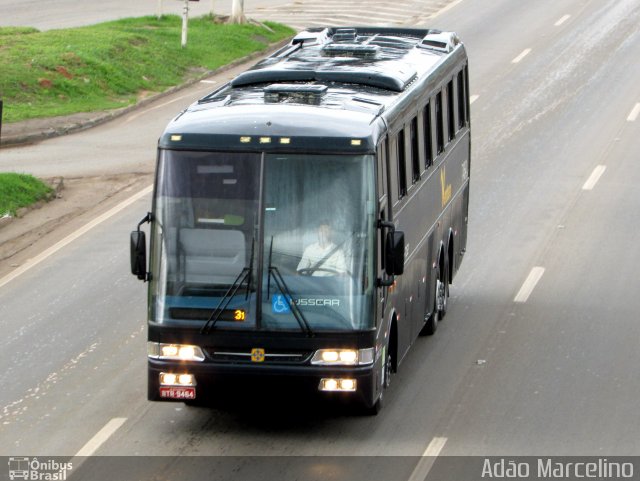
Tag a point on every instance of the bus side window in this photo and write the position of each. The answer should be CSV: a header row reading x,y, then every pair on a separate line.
x,y
382,217
415,151
428,142
462,102
451,124
439,124
382,168
392,153
402,164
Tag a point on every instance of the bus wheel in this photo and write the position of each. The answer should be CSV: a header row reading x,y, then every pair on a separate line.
x,y
442,293
384,385
431,325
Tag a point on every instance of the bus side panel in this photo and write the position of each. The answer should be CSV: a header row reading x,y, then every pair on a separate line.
x,y
455,181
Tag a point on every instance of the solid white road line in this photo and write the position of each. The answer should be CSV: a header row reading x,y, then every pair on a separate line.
x,y
562,20
445,9
524,53
99,439
473,98
529,284
594,177
634,113
428,458
439,12
71,237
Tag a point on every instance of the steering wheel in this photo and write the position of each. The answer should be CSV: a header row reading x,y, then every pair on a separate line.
x,y
308,271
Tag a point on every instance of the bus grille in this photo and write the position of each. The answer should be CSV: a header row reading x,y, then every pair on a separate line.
x,y
270,357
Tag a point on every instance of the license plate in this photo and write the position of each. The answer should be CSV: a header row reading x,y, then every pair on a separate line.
x,y
177,392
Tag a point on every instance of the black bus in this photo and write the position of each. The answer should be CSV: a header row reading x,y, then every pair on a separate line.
x,y
309,216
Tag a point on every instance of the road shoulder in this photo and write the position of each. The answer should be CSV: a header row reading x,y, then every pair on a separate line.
x,y
81,200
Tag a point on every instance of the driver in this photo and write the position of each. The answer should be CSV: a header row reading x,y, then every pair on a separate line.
x,y
323,258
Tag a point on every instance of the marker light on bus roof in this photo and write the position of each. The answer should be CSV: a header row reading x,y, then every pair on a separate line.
x,y
175,352
285,140
245,140
356,142
265,140
176,138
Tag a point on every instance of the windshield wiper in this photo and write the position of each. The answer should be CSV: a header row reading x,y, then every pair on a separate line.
x,y
245,275
282,285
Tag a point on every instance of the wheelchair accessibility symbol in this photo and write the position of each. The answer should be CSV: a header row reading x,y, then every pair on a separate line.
x,y
279,304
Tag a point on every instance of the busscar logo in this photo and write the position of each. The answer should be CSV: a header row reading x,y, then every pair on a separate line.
x,y
36,470
282,305
446,188
318,302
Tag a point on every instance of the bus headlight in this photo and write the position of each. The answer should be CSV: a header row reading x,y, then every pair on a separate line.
x,y
343,357
174,352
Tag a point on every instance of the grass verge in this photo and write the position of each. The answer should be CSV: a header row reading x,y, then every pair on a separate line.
x,y
114,64
20,190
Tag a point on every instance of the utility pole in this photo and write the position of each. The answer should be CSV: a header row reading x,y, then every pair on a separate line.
x,y
237,11
159,9
185,22
0,120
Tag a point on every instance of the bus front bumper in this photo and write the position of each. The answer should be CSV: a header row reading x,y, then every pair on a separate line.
x,y
204,380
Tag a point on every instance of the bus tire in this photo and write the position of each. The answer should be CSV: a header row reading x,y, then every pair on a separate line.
x,y
442,291
431,325
387,369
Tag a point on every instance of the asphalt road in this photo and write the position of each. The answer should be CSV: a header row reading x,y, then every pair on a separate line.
x,y
538,354
51,14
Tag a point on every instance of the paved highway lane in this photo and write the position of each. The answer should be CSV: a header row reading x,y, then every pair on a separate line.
x,y
73,335
127,144
299,14
46,15
560,364
553,373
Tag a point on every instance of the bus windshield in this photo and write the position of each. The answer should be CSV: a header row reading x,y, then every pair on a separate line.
x,y
315,238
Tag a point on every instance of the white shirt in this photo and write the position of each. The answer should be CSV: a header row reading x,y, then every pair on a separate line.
x,y
313,254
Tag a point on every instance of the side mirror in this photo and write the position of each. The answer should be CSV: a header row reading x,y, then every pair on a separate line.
x,y
139,254
394,253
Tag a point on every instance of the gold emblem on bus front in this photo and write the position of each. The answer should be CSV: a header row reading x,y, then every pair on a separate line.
x,y
257,354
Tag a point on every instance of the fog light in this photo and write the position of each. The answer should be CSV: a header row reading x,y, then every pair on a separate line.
x,y
186,380
168,379
347,384
171,379
329,384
